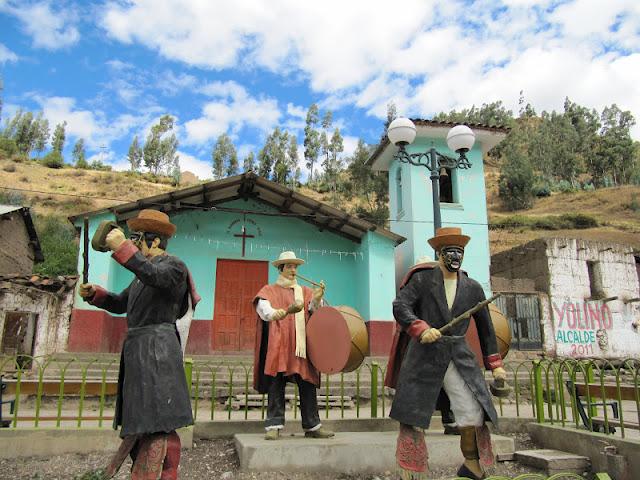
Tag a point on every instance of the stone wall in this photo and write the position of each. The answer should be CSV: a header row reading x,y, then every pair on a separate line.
x,y
525,263
16,253
53,313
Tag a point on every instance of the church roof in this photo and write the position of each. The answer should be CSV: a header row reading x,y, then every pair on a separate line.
x,y
251,186
487,136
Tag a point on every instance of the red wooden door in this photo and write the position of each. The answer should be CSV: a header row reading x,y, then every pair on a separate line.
x,y
234,320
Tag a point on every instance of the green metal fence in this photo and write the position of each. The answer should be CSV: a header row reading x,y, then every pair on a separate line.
x,y
593,394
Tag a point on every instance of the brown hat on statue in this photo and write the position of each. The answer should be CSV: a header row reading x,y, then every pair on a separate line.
x,y
152,221
447,236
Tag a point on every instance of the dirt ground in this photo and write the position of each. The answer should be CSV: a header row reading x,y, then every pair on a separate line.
x,y
215,459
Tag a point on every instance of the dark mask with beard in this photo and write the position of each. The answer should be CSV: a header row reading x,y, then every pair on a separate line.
x,y
452,257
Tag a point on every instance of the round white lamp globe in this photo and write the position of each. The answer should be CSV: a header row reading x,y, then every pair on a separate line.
x,y
401,131
460,138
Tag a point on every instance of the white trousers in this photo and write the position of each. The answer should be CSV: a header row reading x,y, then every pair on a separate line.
x,y
464,405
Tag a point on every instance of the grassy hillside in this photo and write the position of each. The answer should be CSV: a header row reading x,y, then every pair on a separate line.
x,y
616,211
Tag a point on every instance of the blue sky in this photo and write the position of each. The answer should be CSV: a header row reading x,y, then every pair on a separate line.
x,y
111,69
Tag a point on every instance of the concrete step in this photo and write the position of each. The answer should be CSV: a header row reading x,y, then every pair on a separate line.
x,y
347,452
554,461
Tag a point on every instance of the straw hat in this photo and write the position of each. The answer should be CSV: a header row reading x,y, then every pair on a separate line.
x,y
447,236
287,257
152,221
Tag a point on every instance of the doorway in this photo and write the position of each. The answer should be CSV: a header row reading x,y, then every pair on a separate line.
x,y
234,320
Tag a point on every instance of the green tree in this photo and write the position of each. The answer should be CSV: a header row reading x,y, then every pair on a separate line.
x,y
278,148
615,151
176,173
59,136
135,155
515,185
392,114
555,148
311,139
59,247
224,157
79,154
159,151
42,134
333,163
372,188
249,162
292,160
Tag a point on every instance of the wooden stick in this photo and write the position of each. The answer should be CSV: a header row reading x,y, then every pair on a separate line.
x,y
307,280
468,313
85,252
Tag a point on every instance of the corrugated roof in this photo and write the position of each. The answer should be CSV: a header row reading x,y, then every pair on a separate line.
x,y
31,229
249,185
4,209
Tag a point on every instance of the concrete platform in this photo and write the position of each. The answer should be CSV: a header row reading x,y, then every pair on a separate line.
x,y
347,452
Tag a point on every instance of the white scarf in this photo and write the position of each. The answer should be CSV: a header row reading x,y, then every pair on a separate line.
x,y
301,336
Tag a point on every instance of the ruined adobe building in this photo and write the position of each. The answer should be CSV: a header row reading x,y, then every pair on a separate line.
x,y
19,245
589,294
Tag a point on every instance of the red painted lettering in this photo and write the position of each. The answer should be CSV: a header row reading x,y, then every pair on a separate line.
x,y
560,313
571,315
595,315
607,318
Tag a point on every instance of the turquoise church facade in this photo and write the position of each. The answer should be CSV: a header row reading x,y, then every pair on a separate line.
x,y
228,248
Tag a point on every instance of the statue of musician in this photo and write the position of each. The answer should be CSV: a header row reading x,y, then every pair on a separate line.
x,y
280,350
427,361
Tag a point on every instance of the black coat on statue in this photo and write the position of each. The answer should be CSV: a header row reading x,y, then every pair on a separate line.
x,y
423,367
152,387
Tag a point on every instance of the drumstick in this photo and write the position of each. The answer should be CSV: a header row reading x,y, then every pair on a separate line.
x,y
313,283
310,281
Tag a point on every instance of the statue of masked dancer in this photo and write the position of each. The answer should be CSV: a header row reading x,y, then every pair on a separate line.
x,y
424,361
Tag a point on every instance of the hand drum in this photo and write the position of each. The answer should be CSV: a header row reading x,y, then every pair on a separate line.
x,y
337,339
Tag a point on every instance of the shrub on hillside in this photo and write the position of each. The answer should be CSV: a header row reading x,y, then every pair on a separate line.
x,y
9,167
568,221
8,147
53,159
564,186
9,197
579,220
59,246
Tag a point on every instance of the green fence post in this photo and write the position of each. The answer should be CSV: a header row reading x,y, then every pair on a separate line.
x,y
374,390
591,378
538,394
188,372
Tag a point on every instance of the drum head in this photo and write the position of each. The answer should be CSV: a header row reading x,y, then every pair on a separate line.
x,y
328,340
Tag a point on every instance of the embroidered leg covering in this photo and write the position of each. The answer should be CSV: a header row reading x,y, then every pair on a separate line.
x,y
475,444
172,459
118,458
149,457
411,453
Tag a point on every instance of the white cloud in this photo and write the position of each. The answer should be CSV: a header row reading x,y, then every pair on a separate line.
x,y
7,55
201,168
171,84
232,109
49,29
91,125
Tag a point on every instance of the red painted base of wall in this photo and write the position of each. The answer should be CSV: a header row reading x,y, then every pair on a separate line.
x,y
380,337
98,331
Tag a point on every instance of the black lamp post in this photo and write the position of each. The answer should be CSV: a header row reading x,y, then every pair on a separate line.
x,y
460,139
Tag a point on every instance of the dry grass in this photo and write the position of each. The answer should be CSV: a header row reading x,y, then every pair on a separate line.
x,y
94,184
